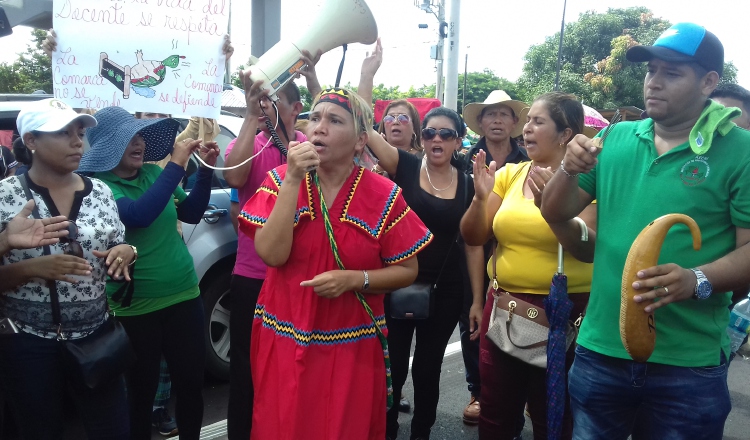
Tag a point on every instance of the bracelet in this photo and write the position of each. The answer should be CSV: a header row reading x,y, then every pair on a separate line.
x,y
366,284
562,168
135,254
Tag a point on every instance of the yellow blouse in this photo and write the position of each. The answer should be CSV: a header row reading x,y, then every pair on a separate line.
x,y
527,249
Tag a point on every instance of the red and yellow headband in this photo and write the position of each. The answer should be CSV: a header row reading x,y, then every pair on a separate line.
x,y
336,96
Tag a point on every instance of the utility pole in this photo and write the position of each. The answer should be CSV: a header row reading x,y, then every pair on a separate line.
x,y
451,76
466,71
436,52
560,47
227,71
441,43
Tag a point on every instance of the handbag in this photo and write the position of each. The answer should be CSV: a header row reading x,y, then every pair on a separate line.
x,y
519,328
99,357
415,301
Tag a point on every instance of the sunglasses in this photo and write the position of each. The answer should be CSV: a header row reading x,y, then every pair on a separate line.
x,y
444,133
402,119
71,240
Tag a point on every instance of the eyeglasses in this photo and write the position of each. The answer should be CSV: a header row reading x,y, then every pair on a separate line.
x,y
444,133
74,247
402,119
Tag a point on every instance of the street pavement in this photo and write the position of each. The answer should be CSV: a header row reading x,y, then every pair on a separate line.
x,y
454,396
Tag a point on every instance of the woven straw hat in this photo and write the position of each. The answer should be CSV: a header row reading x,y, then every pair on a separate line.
x,y
474,109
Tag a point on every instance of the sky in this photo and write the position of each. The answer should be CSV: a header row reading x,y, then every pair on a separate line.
x,y
494,34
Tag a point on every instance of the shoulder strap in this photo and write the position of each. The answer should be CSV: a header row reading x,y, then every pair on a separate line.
x,y
51,285
340,264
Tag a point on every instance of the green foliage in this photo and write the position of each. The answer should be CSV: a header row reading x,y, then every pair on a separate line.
x,y
593,64
730,74
480,84
32,71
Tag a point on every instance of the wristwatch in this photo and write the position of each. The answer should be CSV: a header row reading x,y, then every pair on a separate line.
x,y
703,287
366,284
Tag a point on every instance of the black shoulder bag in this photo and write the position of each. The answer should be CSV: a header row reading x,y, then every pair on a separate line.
x,y
415,301
99,357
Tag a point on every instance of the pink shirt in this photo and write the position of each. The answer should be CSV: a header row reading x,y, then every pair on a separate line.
x,y
248,263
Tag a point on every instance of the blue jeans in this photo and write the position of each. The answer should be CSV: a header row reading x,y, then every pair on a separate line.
x,y
34,382
671,402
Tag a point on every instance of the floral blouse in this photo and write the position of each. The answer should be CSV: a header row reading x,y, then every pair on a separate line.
x,y
83,304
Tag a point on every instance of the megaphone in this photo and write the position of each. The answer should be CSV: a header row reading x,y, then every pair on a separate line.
x,y
339,22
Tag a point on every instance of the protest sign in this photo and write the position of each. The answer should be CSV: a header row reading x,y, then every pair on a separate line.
x,y
161,56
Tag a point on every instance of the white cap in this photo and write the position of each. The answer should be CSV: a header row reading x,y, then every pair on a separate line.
x,y
49,115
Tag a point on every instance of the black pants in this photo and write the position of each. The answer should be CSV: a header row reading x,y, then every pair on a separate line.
x,y
469,348
35,381
243,295
178,332
433,335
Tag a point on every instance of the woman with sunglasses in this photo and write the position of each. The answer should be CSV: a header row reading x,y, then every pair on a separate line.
x,y
33,375
439,193
318,365
163,311
400,127
506,207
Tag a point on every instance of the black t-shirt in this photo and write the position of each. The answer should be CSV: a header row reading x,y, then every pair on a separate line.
x,y
441,216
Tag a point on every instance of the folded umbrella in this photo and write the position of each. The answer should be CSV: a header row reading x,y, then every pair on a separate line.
x,y
558,306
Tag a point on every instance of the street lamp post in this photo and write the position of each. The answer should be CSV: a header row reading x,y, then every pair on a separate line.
x,y
437,8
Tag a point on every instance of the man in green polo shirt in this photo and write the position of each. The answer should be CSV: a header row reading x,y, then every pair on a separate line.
x,y
687,157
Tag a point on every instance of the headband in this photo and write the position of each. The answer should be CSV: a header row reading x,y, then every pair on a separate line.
x,y
336,96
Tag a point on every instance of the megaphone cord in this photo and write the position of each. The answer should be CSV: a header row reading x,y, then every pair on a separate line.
x,y
268,142
271,129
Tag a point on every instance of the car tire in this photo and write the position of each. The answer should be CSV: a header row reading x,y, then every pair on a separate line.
x,y
217,311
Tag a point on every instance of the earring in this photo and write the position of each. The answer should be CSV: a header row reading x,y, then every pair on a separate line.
x,y
454,156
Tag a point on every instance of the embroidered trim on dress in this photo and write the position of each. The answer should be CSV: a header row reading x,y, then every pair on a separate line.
x,y
317,337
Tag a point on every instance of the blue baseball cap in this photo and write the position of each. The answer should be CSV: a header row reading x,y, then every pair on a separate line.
x,y
683,43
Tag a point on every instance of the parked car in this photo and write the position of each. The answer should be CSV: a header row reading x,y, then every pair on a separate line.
x,y
212,242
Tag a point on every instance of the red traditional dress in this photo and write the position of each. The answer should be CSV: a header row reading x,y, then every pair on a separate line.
x,y
317,365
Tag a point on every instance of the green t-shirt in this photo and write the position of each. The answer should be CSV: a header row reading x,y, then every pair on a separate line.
x,y
164,273
633,186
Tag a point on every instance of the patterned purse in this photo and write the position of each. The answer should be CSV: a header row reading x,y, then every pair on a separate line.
x,y
520,328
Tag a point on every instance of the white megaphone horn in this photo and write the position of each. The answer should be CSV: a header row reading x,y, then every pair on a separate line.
x,y
339,22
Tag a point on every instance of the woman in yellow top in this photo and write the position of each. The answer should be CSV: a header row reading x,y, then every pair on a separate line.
x,y
506,208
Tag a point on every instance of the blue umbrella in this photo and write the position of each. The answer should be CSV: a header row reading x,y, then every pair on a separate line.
x,y
558,306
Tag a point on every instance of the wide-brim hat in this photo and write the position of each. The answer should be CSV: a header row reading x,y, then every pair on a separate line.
x,y
49,115
496,97
109,139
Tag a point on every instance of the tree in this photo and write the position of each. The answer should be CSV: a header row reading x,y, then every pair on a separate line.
x,y
587,44
32,71
480,84
593,64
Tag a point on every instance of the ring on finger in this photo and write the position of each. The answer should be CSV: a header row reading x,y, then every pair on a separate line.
x,y
119,260
666,290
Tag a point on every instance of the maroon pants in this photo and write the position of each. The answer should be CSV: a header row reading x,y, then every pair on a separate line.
x,y
509,383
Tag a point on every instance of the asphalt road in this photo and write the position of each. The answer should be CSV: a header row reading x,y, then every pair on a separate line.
x,y
454,396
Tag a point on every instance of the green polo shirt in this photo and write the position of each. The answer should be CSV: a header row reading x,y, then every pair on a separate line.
x,y
164,273
633,186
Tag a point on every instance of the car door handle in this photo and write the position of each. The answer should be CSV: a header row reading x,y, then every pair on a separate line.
x,y
213,215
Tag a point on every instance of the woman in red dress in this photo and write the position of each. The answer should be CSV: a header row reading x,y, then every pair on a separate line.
x,y
318,364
